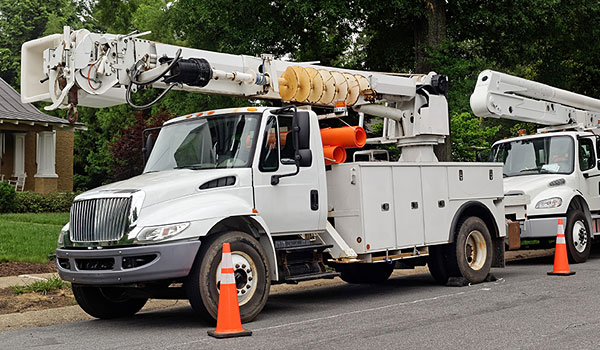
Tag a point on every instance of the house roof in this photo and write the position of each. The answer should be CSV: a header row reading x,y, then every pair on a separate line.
x,y
12,109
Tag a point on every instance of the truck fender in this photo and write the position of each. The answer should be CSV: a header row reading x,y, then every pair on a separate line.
x,y
475,208
578,202
255,226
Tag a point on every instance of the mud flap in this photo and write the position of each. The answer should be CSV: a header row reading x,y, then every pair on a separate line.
x,y
498,252
514,235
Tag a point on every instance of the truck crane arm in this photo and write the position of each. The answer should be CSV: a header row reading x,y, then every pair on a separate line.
x,y
499,95
100,70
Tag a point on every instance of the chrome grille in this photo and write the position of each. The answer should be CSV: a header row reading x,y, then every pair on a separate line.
x,y
99,220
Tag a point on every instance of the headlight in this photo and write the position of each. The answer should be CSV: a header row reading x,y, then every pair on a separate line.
x,y
157,233
554,202
61,236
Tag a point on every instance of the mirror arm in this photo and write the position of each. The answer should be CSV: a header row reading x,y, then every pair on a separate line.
x,y
275,178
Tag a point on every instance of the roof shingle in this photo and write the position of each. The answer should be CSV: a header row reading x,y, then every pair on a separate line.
x,y
11,108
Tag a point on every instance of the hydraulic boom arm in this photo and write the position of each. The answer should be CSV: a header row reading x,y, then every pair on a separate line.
x,y
499,95
100,70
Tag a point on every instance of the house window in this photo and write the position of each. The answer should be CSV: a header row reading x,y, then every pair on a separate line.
x,y
46,154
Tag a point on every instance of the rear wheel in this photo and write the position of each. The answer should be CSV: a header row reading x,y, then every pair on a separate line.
x,y
470,255
251,272
577,237
107,302
365,273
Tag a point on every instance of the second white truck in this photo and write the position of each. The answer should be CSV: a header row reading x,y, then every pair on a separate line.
x,y
550,175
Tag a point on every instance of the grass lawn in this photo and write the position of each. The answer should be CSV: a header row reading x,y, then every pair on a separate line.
x,y
29,237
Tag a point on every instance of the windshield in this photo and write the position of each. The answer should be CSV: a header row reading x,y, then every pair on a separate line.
x,y
541,155
212,142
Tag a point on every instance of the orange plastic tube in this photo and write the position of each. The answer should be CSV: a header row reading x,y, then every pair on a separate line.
x,y
334,154
346,137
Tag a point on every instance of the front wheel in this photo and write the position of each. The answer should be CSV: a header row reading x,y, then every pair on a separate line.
x,y
107,302
251,272
577,237
470,255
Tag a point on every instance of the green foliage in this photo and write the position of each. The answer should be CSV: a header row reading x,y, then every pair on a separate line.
x,y
29,237
32,202
52,283
7,197
468,137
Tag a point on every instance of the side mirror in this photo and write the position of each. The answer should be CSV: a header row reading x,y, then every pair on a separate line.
x,y
147,147
300,138
301,124
598,164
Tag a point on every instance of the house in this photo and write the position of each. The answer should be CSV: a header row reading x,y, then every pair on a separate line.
x,y
34,146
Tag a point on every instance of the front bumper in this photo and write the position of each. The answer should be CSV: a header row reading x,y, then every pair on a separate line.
x,y
540,227
127,265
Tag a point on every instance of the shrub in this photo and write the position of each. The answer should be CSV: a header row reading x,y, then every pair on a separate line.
x,y
32,202
7,197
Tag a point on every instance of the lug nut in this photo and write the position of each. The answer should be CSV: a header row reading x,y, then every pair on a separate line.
x,y
237,266
248,271
249,278
243,266
248,287
243,291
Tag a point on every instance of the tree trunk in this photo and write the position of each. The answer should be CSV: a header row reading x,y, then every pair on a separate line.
x,y
430,33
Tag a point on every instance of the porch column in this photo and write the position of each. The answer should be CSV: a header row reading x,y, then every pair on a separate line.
x,y
46,179
19,168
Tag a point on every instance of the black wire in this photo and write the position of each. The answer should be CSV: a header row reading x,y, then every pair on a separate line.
x,y
147,105
135,70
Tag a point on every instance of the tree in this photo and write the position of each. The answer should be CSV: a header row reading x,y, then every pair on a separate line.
x,y
23,20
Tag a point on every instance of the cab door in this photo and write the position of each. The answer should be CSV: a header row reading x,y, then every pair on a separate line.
x,y
588,166
294,204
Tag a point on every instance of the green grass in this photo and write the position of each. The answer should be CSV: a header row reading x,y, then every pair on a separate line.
x,y
29,237
53,283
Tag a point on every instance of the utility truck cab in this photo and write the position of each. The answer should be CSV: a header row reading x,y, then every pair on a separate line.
x,y
553,174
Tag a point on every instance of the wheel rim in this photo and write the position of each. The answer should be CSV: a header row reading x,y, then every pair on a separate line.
x,y
475,250
580,238
245,276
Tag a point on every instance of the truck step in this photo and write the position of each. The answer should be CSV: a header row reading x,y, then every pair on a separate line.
x,y
305,248
310,276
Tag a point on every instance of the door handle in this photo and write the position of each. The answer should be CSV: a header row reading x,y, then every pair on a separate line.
x,y
314,200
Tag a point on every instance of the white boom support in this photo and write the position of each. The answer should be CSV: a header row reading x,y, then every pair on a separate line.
x,y
499,95
101,70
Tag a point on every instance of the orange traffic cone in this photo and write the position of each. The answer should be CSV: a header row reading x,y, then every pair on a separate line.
x,y
561,261
229,323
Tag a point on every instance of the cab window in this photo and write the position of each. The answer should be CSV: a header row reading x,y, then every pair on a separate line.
x,y
587,159
269,154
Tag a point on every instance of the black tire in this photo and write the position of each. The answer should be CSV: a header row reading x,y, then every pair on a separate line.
x,y
466,257
107,302
437,264
359,273
201,284
578,248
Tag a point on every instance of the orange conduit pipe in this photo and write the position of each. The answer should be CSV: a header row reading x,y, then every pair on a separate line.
x,y
346,137
334,154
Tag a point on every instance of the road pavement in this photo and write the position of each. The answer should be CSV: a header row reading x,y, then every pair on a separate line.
x,y
524,309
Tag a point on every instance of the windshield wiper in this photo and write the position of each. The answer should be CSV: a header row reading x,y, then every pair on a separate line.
x,y
194,166
530,169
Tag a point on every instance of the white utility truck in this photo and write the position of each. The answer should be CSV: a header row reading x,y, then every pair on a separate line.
x,y
236,175
552,174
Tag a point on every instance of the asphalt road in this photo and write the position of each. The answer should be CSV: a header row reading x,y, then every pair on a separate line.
x,y
523,309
